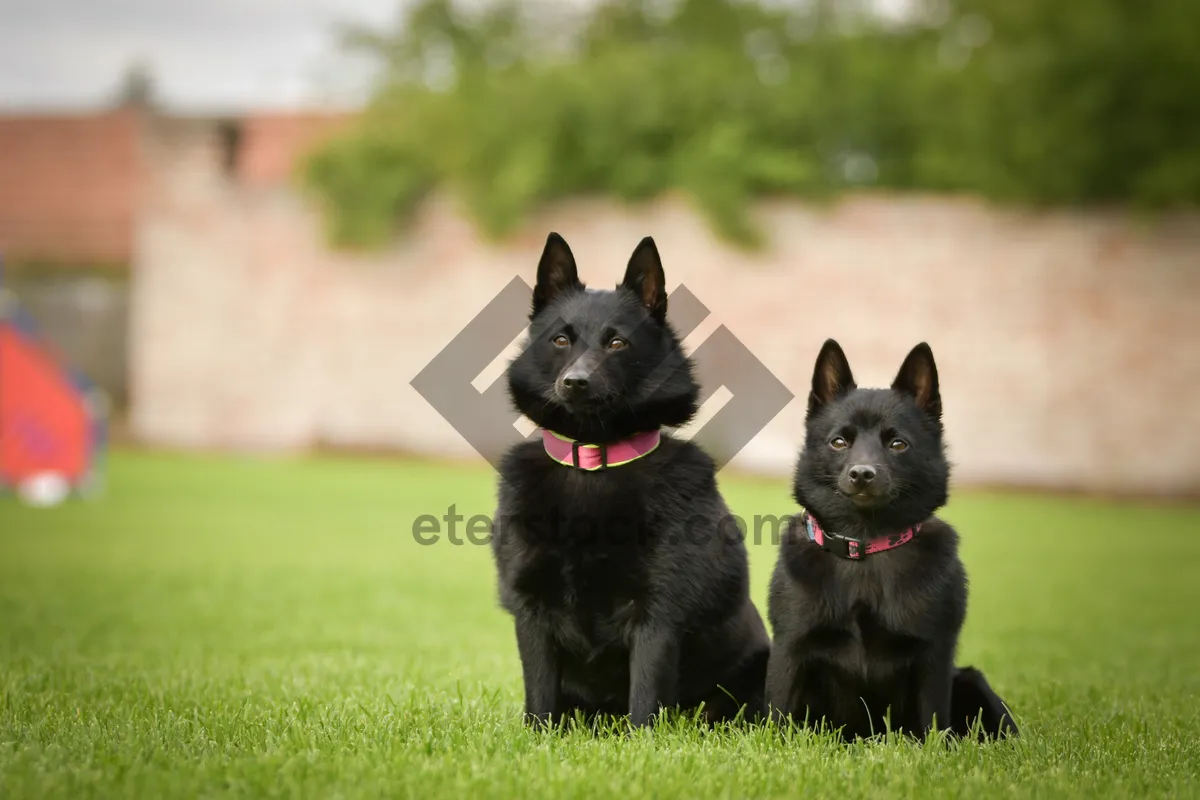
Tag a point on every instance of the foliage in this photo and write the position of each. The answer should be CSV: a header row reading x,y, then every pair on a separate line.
x,y
725,101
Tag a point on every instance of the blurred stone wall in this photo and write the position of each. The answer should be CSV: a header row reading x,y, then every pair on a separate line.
x,y
1068,343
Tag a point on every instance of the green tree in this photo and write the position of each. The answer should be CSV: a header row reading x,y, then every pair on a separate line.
x,y
726,101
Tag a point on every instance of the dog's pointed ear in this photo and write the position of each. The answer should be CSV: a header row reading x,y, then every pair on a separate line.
x,y
644,277
831,376
556,272
918,379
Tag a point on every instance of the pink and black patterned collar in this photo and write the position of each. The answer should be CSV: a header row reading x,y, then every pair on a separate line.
x,y
856,549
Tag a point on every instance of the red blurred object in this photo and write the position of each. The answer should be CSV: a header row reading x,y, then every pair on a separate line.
x,y
52,427
45,425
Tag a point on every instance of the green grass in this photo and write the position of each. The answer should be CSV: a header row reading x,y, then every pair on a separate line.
x,y
237,627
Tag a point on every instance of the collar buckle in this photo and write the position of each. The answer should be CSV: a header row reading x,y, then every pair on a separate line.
x,y
841,546
603,455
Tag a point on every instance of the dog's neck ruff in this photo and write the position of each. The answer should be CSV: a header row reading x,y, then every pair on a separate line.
x,y
855,549
592,457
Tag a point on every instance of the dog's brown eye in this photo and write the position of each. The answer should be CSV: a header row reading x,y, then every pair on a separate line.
x,y
898,445
839,443
561,341
617,343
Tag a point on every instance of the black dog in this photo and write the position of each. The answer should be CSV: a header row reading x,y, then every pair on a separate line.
x,y
869,594
628,593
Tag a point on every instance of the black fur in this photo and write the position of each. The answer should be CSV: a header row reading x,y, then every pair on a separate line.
x,y
971,699
628,593
859,643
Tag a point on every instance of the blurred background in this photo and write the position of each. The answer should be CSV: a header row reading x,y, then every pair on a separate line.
x,y
253,223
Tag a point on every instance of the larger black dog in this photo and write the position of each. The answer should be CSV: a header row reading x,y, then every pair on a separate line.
x,y
869,594
628,592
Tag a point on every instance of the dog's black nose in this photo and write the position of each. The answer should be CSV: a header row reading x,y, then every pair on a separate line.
x,y
862,474
575,381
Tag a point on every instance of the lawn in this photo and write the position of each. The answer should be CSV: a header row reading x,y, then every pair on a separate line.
x,y
238,627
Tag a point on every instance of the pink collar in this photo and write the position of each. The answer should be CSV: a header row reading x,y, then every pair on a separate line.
x,y
854,549
591,457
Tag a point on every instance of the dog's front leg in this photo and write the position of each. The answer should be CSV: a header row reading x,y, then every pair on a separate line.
x,y
540,667
783,682
653,673
935,681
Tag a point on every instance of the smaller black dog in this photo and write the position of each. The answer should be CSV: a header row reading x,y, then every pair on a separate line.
x,y
869,595
629,592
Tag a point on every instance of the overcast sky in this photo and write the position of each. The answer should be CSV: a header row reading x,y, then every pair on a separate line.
x,y
205,53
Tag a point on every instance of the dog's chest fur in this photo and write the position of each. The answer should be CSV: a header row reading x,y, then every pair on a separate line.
x,y
591,592
872,618
859,628
589,550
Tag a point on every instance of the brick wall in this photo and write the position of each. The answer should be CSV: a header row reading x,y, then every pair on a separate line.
x,y
69,186
70,183
272,143
1068,343
70,195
